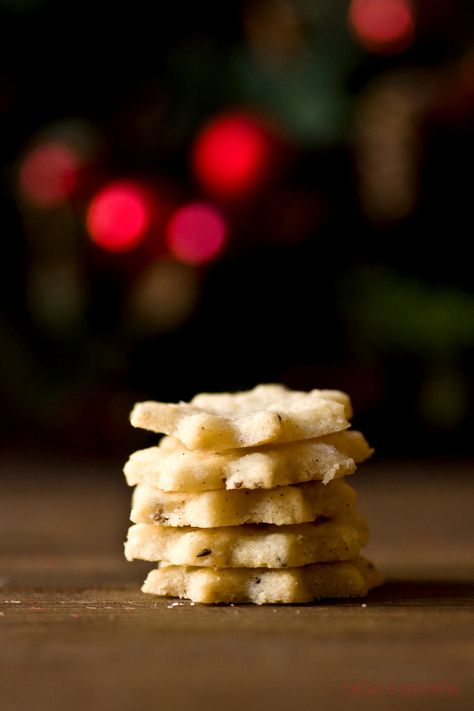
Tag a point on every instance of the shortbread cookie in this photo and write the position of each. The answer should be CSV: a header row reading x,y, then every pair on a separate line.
x,y
283,505
268,413
258,546
262,586
172,467
265,395
351,443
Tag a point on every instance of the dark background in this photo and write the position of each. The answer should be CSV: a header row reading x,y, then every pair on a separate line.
x,y
348,264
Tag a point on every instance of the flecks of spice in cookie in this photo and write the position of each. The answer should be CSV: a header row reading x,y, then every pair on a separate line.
x,y
204,552
160,517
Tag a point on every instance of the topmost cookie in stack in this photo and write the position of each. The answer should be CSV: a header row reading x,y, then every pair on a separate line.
x,y
232,463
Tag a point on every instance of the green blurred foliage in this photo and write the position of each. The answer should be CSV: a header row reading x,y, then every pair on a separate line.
x,y
390,312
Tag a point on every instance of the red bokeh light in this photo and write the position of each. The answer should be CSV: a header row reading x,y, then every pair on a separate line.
x,y
232,155
383,26
48,174
118,216
196,233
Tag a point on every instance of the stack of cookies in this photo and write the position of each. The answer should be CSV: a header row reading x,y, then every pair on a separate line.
x,y
244,499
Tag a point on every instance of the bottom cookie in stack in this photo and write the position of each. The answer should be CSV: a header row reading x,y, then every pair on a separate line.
x,y
261,586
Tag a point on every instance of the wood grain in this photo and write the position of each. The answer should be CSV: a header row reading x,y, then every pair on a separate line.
x,y
78,634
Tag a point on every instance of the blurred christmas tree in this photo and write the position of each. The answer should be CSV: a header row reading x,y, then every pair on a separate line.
x,y
209,197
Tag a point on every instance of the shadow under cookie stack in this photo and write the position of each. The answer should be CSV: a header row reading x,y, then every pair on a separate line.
x,y
244,499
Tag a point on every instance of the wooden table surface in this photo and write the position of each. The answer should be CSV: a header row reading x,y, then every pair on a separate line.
x,y
78,634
